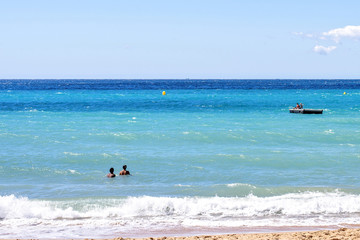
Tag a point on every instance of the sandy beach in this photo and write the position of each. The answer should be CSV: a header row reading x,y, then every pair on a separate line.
x,y
342,233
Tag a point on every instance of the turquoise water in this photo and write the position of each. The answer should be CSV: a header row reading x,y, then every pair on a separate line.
x,y
199,158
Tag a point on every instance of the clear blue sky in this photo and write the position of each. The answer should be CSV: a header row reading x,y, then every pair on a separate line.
x,y
179,39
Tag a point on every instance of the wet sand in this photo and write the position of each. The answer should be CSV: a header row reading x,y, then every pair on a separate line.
x,y
339,234
342,233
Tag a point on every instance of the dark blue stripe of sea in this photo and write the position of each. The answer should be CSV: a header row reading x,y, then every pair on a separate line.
x,y
76,84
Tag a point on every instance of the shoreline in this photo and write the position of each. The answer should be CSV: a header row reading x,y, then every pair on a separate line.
x,y
196,232
341,233
189,233
338,234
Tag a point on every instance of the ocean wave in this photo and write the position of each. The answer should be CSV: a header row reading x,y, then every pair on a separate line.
x,y
65,217
295,204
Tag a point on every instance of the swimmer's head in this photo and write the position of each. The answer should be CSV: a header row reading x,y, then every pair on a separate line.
x,y
124,167
111,170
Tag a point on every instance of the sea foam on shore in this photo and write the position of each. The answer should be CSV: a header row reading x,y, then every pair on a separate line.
x,y
140,216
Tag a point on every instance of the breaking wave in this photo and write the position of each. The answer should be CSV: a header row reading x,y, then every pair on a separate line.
x,y
136,214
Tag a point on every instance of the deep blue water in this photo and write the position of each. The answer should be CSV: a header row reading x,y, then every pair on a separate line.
x,y
175,84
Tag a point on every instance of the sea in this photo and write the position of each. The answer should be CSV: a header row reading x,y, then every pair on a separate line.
x,y
205,157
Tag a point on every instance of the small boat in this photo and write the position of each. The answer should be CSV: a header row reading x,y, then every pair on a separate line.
x,y
306,111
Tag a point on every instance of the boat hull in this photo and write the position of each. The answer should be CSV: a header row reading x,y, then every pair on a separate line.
x,y
306,111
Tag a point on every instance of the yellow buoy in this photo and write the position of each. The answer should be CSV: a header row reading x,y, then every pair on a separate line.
x,y
344,93
163,93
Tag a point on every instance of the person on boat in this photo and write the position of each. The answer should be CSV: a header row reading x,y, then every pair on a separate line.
x,y
301,106
297,106
111,174
124,171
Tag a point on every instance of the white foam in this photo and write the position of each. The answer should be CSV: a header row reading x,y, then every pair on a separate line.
x,y
61,219
232,155
73,154
106,155
181,185
330,131
73,171
232,185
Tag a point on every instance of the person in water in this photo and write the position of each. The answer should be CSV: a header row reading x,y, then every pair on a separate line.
x,y
124,171
111,174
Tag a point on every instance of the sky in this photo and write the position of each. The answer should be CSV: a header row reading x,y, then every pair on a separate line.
x,y
179,39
